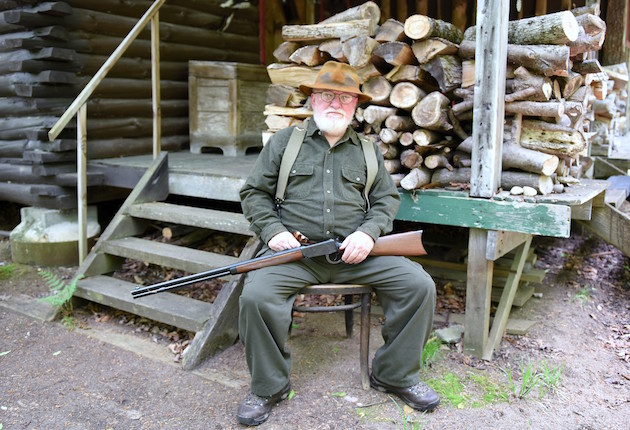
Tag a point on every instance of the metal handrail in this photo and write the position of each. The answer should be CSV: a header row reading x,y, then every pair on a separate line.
x,y
79,108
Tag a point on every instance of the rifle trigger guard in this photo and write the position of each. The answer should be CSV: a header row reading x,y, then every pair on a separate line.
x,y
334,258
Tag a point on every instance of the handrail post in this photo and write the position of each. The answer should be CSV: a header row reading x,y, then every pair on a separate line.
x,y
82,180
155,83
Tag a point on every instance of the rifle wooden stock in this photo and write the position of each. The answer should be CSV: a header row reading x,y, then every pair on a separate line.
x,y
403,244
407,244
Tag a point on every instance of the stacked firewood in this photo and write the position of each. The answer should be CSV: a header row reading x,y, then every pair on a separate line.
x,y
609,113
420,75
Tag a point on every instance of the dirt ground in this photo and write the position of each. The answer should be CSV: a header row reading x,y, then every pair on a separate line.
x,y
117,371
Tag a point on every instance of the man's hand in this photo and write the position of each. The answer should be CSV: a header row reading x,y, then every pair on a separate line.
x,y
282,241
356,247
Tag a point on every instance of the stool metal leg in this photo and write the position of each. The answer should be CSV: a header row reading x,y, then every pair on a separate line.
x,y
364,348
349,315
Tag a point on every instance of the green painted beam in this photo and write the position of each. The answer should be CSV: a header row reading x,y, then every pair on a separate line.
x,y
458,209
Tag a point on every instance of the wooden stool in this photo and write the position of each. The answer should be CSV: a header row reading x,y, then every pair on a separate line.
x,y
347,290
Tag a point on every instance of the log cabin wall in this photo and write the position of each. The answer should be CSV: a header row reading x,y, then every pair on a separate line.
x,y
50,51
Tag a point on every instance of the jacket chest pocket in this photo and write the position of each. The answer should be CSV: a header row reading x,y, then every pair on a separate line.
x,y
300,181
353,183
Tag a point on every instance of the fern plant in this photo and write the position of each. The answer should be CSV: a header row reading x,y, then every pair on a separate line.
x,y
61,295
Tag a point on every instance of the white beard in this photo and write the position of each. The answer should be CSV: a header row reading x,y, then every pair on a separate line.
x,y
332,126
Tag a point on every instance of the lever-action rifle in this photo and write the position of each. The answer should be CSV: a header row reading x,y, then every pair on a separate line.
x,y
407,244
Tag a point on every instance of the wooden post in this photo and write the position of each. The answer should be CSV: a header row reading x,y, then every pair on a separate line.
x,y
478,293
155,84
488,111
82,180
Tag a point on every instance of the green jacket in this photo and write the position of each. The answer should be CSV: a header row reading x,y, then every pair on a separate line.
x,y
324,197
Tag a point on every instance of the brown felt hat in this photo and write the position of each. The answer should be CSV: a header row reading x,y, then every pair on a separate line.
x,y
336,76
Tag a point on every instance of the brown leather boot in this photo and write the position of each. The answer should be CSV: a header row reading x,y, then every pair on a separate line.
x,y
254,410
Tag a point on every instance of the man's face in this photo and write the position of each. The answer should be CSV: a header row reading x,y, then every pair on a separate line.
x,y
333,110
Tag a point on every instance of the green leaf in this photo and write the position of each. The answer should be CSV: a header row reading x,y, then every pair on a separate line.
x,y
56,353
291,394
4,353
339,394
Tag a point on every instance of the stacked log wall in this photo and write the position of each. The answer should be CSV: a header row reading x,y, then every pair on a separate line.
x,y
50,51
420,74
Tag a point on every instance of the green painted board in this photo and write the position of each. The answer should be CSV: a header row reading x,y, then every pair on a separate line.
x,y
457,209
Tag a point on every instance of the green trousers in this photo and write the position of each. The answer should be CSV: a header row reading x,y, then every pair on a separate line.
x,y
405,291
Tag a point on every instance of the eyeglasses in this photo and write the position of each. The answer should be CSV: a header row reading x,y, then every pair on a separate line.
x,y
329,96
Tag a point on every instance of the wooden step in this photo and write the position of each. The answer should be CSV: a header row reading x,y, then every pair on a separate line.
x,y
167,255
168,308
187,215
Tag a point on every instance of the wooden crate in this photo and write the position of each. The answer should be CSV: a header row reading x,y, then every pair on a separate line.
x,y
226,101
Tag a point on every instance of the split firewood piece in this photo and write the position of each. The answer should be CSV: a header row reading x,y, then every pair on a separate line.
x,y
514,156
389,151
593,8
557,28
309,55
411,159
551,138
334,49
297,112
379,89
463,106
291,74
397,177
323,31
284,95
393,166
376,115
420,27
400,123
395,53
586,43
527,108
574,110
405,138
570,83
366,72
424,137
284,51
405,95
358,50
457,128
619,74
425,50
461,159
543,184
438,160
391,30
368,10
278,122
548,60
432,112
388,136
587,66
607,107
524,82
403,73
446,70
416,178
592,24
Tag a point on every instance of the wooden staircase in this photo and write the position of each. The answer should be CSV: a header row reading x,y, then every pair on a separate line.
x,y
214,324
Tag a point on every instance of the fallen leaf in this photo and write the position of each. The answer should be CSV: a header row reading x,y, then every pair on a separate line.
x,y
4,353
56,353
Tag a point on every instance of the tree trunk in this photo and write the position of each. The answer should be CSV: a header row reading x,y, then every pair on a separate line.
x,y
320,32
514,156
